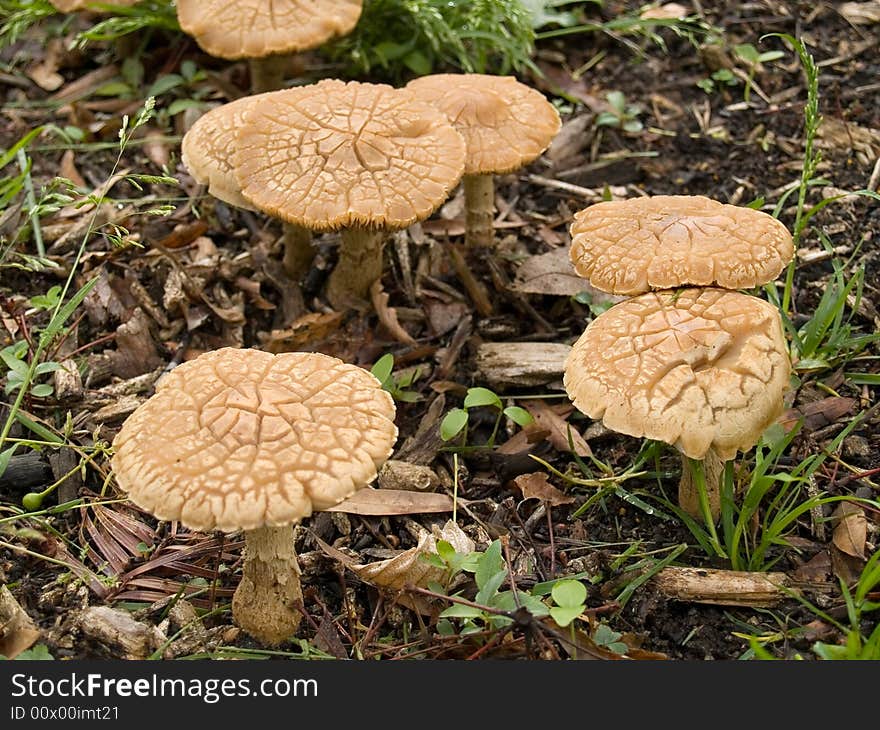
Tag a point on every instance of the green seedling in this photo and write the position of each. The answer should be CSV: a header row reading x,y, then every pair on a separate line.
x,y
753,59
455,422
570,599
620,115
396,384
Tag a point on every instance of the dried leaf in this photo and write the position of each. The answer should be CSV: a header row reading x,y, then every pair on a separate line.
x,y
866,13
554,421
388,315
818,414
537,486
18,632
67,168
370,501
409,568
309,328
850,530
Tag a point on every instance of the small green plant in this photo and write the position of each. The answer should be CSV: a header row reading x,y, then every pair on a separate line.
x,y
858,603
717,79
19,15
491,607
397,38
18,371
455,422
396,384
570,599
753,59
620,114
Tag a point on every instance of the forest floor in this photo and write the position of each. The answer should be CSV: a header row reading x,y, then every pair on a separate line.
x,y
207,276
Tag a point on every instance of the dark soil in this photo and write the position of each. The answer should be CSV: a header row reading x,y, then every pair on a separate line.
x,y
208,276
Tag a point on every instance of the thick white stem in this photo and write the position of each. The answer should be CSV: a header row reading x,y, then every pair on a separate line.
x,y
267,601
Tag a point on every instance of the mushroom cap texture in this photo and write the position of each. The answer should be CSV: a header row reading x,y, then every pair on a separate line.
x,y
667,241
336,154
67,6
505,123
256,28
207,148
237,439
698,369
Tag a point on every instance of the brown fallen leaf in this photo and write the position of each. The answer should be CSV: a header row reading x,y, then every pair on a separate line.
x,y
537,486
18,632
378,502
388,315
553,420
309,328
67,168
817,414
408,568
45,73
850,529
552,273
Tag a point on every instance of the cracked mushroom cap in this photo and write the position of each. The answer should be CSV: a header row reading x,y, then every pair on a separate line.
x,y
505,123
67,6
234,29
698,369
668,241
238,439
206,150
336,154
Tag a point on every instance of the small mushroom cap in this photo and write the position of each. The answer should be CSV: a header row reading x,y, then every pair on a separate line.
x,y
67,6
238,439
207,148
667,241
336,154
256,28
505,123
697,368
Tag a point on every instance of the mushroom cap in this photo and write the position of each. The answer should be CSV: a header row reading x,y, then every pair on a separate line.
x,y
237,439
697,368
337,154
67,6
207,149
667,241
255,28
505,123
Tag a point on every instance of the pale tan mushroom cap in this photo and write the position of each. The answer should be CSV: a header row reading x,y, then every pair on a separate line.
x,y
698,369
667,241
207,149
337,154
505,123
255,28
240,439
67,6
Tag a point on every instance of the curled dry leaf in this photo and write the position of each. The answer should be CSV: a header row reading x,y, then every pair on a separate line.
x,y
537,486
850,529
409,568
388,315
866,13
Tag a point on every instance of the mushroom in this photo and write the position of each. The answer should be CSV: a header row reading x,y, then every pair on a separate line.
x,y
357,157
240,439
702,369
265,31
207,152
667,241
506,125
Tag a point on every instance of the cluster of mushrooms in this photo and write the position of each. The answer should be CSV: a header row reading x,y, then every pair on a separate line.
x,y
245,440
686,359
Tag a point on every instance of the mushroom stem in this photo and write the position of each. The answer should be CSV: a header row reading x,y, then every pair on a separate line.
x,y
298,251
267,600
359,265
699,491
267,73
479,197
